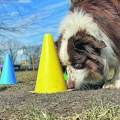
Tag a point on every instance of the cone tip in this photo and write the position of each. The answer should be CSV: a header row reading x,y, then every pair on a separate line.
x,y
8,54
48,36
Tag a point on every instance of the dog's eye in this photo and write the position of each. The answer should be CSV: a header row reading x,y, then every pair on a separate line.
x,y
77,65
79,45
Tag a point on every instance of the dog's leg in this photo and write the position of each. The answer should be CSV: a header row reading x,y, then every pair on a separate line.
x,y
115,82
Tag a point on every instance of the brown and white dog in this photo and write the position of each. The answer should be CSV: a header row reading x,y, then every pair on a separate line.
x,y
89,42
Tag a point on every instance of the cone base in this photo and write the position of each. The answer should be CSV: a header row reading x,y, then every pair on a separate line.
x,y
50,86
7,83
34,92
40,89
48,92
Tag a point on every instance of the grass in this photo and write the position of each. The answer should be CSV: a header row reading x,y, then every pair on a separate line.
x,y
16,103
101,113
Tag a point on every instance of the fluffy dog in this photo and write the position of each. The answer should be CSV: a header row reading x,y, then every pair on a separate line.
x,y
89,42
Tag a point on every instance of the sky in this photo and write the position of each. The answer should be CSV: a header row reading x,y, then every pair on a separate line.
x,y
37,16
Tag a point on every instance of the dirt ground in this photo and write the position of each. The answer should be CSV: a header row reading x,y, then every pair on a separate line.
x,y
18,103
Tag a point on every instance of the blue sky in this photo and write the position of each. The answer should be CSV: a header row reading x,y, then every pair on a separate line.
x,y
43,17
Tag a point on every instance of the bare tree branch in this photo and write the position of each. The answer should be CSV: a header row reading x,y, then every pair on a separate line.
x,y
32,52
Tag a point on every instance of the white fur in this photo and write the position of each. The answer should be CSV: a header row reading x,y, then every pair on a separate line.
x,y
63,55
78,75
80,20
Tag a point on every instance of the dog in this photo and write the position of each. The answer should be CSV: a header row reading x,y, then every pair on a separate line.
x,y
89,43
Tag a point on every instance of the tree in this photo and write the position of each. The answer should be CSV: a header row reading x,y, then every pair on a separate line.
x,y
13,26
10,25
2,44
12,47
32,53
6,19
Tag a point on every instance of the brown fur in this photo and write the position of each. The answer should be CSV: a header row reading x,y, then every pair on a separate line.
x,y
84,51
106,14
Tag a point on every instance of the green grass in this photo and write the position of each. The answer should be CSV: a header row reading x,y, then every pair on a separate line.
x,y
96,113
26,81
101,113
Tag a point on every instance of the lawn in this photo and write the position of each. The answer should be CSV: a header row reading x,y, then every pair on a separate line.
x,y
18,103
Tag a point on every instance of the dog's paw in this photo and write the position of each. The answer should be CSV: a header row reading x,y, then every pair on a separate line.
x,y
117,84
108,86
112,85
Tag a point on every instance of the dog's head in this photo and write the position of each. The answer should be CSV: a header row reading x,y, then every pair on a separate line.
x,y
82,54
79,45
81,50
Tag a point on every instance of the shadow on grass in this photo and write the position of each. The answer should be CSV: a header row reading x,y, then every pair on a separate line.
x,y
19,82
3,88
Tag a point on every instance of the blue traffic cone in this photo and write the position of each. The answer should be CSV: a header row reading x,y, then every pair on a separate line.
x,y
8,75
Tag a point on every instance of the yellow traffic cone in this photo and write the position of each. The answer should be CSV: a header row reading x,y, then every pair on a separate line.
x,y
50,77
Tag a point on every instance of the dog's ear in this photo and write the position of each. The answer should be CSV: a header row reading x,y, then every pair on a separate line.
x,y
99,44
94,66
